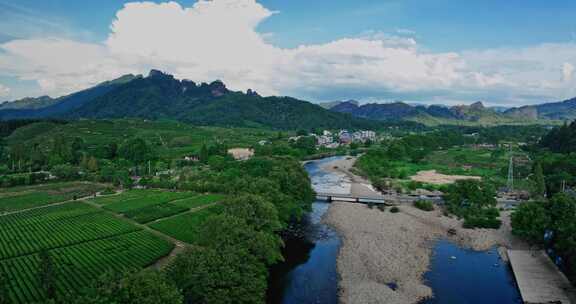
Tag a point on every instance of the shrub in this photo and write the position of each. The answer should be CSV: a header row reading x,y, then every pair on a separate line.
x,y
424,205
394,209
382,207
482,222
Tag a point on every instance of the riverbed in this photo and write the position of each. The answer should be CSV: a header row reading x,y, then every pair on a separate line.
x,y
349,253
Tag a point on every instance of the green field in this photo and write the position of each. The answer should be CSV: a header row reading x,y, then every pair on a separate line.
x,y
185,227
146,198
19,198
83,241
144,206
199,201
78,265
151,213
56,226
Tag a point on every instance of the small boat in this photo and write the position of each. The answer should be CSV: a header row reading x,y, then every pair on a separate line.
x,y
452,257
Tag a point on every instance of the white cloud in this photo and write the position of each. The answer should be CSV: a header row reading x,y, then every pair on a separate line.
x,y
567,71
219,40
4,90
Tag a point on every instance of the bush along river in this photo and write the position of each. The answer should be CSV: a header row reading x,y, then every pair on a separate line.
x,y
309,273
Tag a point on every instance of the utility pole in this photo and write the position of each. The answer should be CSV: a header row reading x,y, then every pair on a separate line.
x,y
510,183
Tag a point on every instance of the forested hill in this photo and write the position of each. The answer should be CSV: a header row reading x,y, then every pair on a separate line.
x,y
161,96
561,139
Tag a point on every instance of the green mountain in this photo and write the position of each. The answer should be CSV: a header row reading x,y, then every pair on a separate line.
x,y
28,103
59,107
474,114
161,96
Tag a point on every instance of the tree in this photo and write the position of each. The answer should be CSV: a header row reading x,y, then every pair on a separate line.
x,y
256,211
475,202
204,154
143,287
530,221
65,172
76,150
135,150
219,276
563,218
47,274
539,188
227,231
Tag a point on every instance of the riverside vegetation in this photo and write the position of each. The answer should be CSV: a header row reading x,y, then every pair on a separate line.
x,y
219,220
62,244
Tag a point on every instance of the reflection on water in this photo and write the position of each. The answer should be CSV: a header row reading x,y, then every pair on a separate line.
x,y
465,276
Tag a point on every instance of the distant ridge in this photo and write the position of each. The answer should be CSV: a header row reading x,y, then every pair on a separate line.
x,y
161,96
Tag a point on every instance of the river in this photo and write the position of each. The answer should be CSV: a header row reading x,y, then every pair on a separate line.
x,y
309,273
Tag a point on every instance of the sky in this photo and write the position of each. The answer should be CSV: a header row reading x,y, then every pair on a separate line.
x,y
505,53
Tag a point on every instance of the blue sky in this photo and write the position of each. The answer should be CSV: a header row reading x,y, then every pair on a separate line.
x,y
472,29
443,25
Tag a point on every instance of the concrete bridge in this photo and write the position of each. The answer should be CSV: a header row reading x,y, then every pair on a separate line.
x,y
375,199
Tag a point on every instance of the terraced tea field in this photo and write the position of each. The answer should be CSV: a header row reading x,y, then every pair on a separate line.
x,y
79,265
144,206
20,198
87,238
185,227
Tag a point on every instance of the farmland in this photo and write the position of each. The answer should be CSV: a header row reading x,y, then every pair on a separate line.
x,y
78,265
185,227
19,198
86,238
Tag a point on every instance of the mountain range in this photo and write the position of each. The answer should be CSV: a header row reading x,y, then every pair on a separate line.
x,y
161,96
475,113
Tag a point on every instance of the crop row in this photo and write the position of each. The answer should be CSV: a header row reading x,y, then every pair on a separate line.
x,y
29,197
152,199
185,227
49,231
77,266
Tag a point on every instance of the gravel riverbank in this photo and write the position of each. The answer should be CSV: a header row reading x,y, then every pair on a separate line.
x,y
380,248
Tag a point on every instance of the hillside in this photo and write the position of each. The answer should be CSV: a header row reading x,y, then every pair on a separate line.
x,y
28,103
59,107
161,96
564,110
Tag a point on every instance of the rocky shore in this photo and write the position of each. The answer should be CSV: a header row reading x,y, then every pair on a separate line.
x,y
385,255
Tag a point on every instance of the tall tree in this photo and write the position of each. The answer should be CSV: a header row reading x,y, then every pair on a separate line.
x,y
539,188
530,221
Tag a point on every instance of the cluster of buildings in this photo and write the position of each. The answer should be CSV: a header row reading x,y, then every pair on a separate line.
x,y
330,139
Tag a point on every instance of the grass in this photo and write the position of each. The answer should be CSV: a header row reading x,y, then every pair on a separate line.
x,y
186,227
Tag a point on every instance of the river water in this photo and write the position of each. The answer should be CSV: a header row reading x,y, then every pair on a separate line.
x,y
309,274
